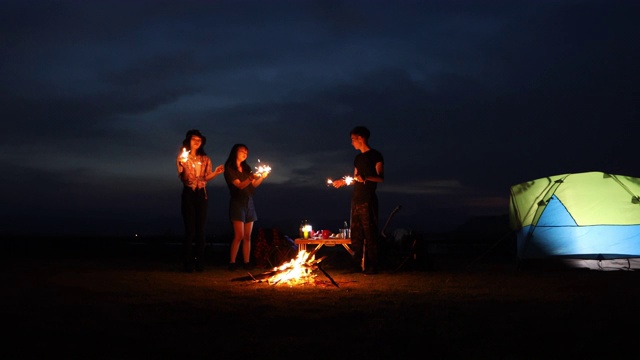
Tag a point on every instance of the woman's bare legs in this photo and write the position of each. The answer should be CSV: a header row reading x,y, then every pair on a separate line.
x,y
246,242
241,233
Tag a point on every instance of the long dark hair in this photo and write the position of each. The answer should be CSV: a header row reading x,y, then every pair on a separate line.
x,y
187,141
233,155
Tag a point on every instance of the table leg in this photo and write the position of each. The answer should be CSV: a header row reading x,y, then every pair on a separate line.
x,y
346,246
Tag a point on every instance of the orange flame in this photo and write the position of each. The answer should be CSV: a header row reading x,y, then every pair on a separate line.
x,y
297,271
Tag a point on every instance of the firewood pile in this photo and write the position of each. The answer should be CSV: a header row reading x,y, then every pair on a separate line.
x,y
300,270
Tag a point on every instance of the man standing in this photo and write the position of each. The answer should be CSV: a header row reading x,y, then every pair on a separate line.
x,y
368,172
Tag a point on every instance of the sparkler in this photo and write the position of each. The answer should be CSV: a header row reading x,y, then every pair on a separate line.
x,y
184,156
347,180
263,169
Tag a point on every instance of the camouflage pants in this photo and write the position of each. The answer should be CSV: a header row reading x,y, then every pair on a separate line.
x,y
364,234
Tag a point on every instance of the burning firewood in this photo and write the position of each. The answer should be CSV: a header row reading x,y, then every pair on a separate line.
x,y
327,275
298,270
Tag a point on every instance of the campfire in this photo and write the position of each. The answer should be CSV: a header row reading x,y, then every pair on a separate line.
x,y
297,271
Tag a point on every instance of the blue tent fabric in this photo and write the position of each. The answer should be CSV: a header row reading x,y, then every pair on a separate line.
x,y
598,220
556,214
580,242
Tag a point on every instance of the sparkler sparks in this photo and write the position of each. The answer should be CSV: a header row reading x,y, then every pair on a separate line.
x,y
347,180
262,169
184,156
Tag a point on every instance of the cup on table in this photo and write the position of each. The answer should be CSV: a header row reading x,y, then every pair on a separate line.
x,y
326,233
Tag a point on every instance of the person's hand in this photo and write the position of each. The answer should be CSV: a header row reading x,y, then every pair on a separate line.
x,y
219,169
255,176
183,156
339,183
179,163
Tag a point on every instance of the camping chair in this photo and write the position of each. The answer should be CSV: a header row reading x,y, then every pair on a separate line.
x,y
412,251
411,255
272,251
261,249
280,251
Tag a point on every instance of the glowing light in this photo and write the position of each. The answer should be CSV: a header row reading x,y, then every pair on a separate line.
x,y
184,156
262,169
347,180
298,270
306,230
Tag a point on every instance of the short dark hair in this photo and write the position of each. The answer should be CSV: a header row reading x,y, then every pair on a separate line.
x,y
361,131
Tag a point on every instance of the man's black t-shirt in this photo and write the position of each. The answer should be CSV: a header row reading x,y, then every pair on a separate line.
x,y
365,164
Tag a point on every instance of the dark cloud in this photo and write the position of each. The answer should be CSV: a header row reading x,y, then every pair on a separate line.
x,y
463,98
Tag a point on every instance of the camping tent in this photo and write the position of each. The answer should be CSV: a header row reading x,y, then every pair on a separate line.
x,y
592,217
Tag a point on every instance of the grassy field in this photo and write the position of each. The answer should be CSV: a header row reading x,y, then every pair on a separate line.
x,y
133,302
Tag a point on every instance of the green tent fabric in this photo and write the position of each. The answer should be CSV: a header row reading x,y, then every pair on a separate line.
x,y
591,215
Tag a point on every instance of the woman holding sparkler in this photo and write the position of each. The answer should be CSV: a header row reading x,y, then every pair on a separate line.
x,y
242,183
194,170
368,172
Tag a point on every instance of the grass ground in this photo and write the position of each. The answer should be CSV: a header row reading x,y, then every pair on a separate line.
x,y
133,302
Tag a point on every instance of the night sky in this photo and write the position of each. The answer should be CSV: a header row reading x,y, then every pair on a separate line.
x,y
463,98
